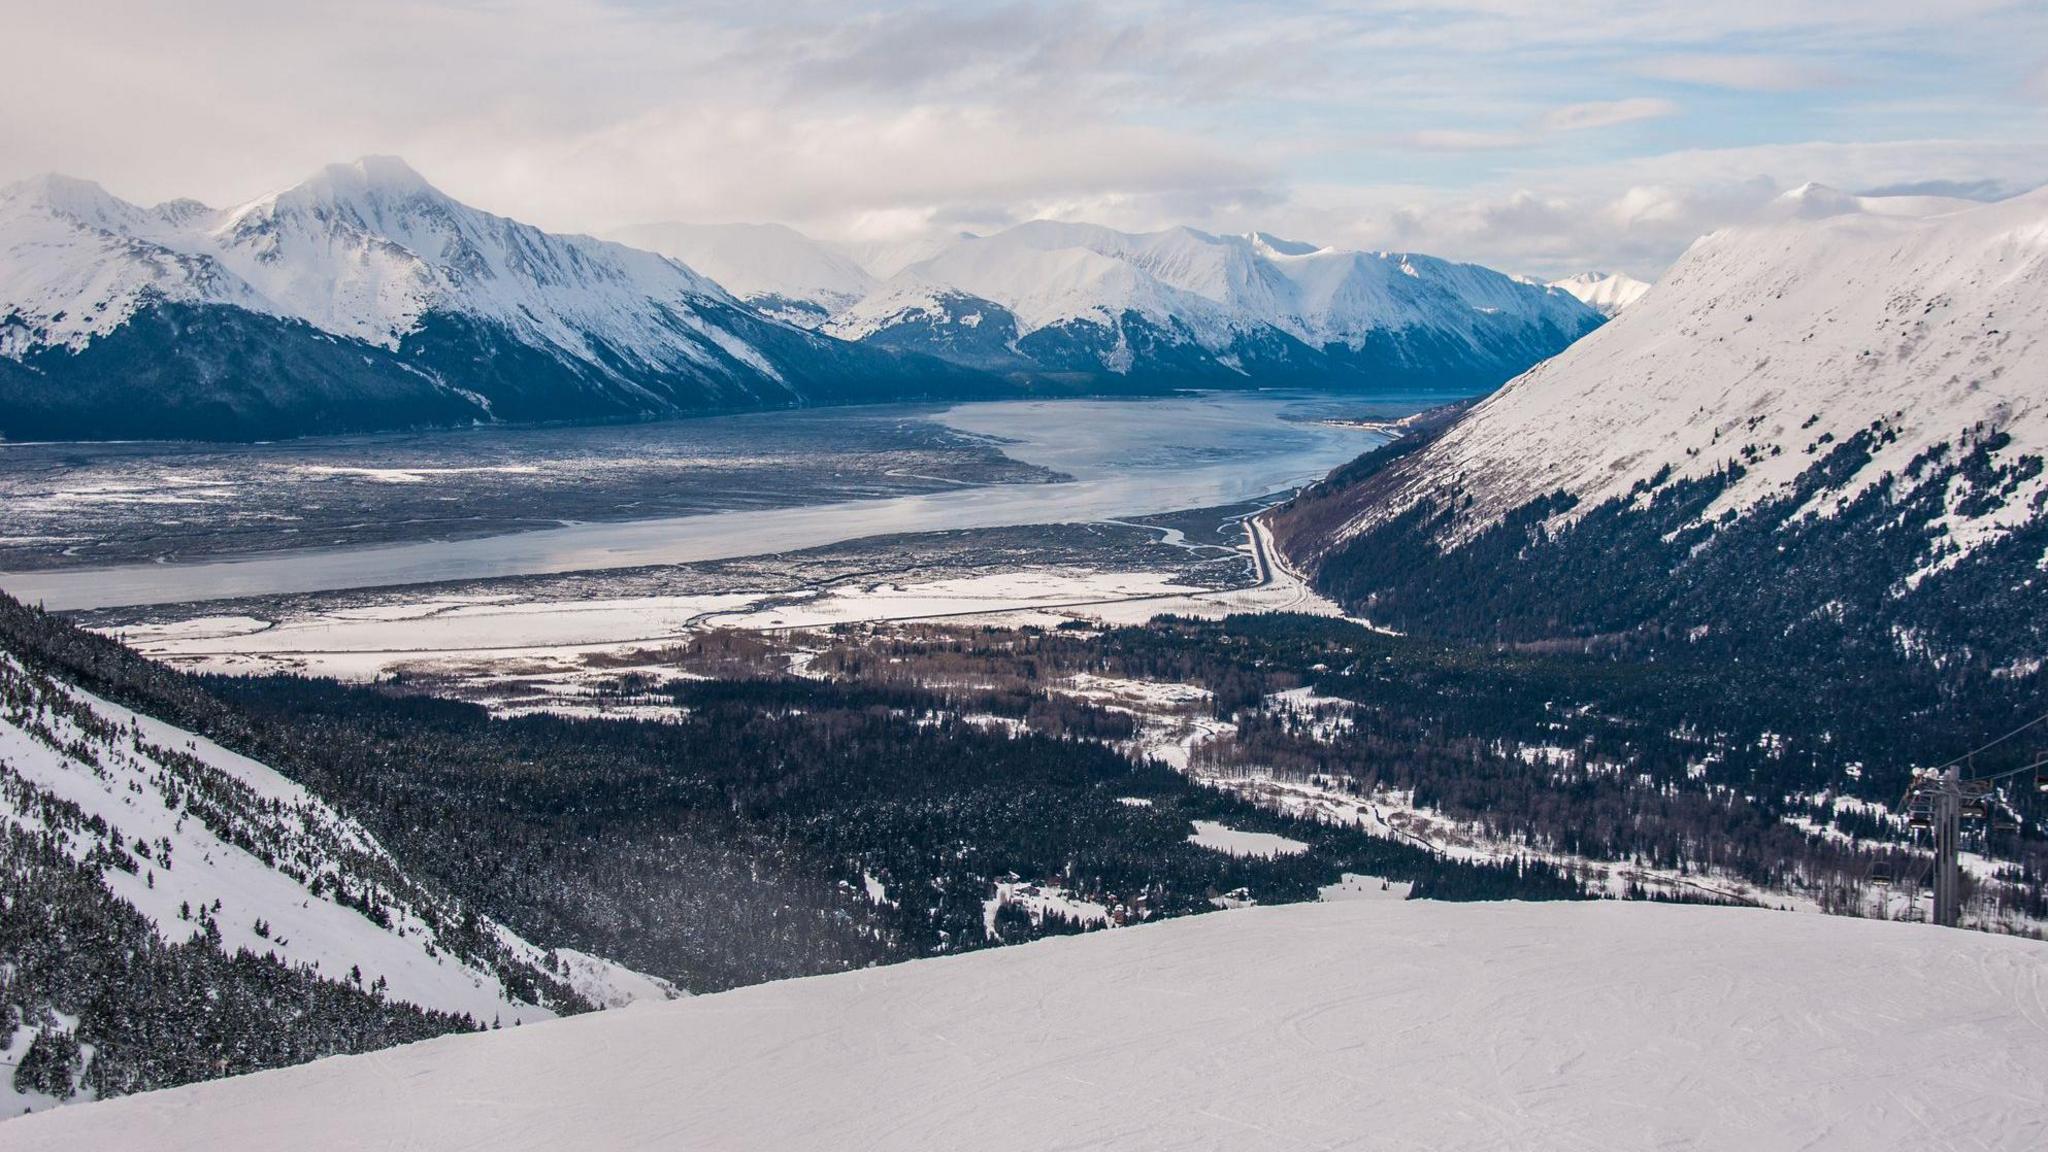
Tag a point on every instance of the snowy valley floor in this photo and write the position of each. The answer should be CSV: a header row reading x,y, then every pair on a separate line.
x,y
1350,1025
566,645
552,635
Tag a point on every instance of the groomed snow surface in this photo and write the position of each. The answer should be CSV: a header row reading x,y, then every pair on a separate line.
x,y
1366,1024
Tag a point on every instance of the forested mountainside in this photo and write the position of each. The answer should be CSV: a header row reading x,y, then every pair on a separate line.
x,y
1802,478
170,911
365,298
1078,304
782,827
1666,778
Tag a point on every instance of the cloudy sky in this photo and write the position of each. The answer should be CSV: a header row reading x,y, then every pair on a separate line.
x,y
1540,136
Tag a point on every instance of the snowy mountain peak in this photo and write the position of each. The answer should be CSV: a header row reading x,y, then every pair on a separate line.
x,y
364,297
366,250
82,202
1218,299
370,179
1270,245
181,211
390,175
1606,292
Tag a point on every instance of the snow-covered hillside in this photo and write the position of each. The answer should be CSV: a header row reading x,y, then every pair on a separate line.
x,y
209,845
772,267
1923,322
1605,292
1357,1024
365,297
1081,296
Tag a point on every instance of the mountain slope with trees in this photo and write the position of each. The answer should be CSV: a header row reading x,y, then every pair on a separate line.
x,y
365,298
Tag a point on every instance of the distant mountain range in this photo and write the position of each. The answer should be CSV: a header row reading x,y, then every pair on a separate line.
x,y
1829,421
1052,300
364,298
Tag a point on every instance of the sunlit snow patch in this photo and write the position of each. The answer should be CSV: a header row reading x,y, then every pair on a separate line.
x,y
1237,842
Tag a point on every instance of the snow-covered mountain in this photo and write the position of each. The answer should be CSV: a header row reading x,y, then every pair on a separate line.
x,y
777,269
1080,302
1857,383
1768,342
364,297
1079,298
219,854
1395,1024
1605,292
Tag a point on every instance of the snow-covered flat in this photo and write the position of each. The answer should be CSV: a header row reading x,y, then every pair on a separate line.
x,y
1238,842
1363,1024
478,628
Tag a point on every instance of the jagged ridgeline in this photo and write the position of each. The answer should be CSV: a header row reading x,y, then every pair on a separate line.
x,y
1050,302
278,868
364,298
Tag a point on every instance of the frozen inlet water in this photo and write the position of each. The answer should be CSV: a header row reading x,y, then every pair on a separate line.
x,y
1363,1024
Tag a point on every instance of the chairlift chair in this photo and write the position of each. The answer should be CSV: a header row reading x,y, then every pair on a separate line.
x,y
1920,810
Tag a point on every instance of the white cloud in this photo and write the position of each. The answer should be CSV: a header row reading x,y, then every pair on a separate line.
x,y
2036,83
1634,215
1606,113
1463,140
1475,127
1751,73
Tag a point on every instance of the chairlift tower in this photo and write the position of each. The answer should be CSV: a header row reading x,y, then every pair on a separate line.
x,y
1940,802
1948,833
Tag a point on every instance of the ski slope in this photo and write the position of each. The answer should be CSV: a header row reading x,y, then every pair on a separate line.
x,y
1362,1024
